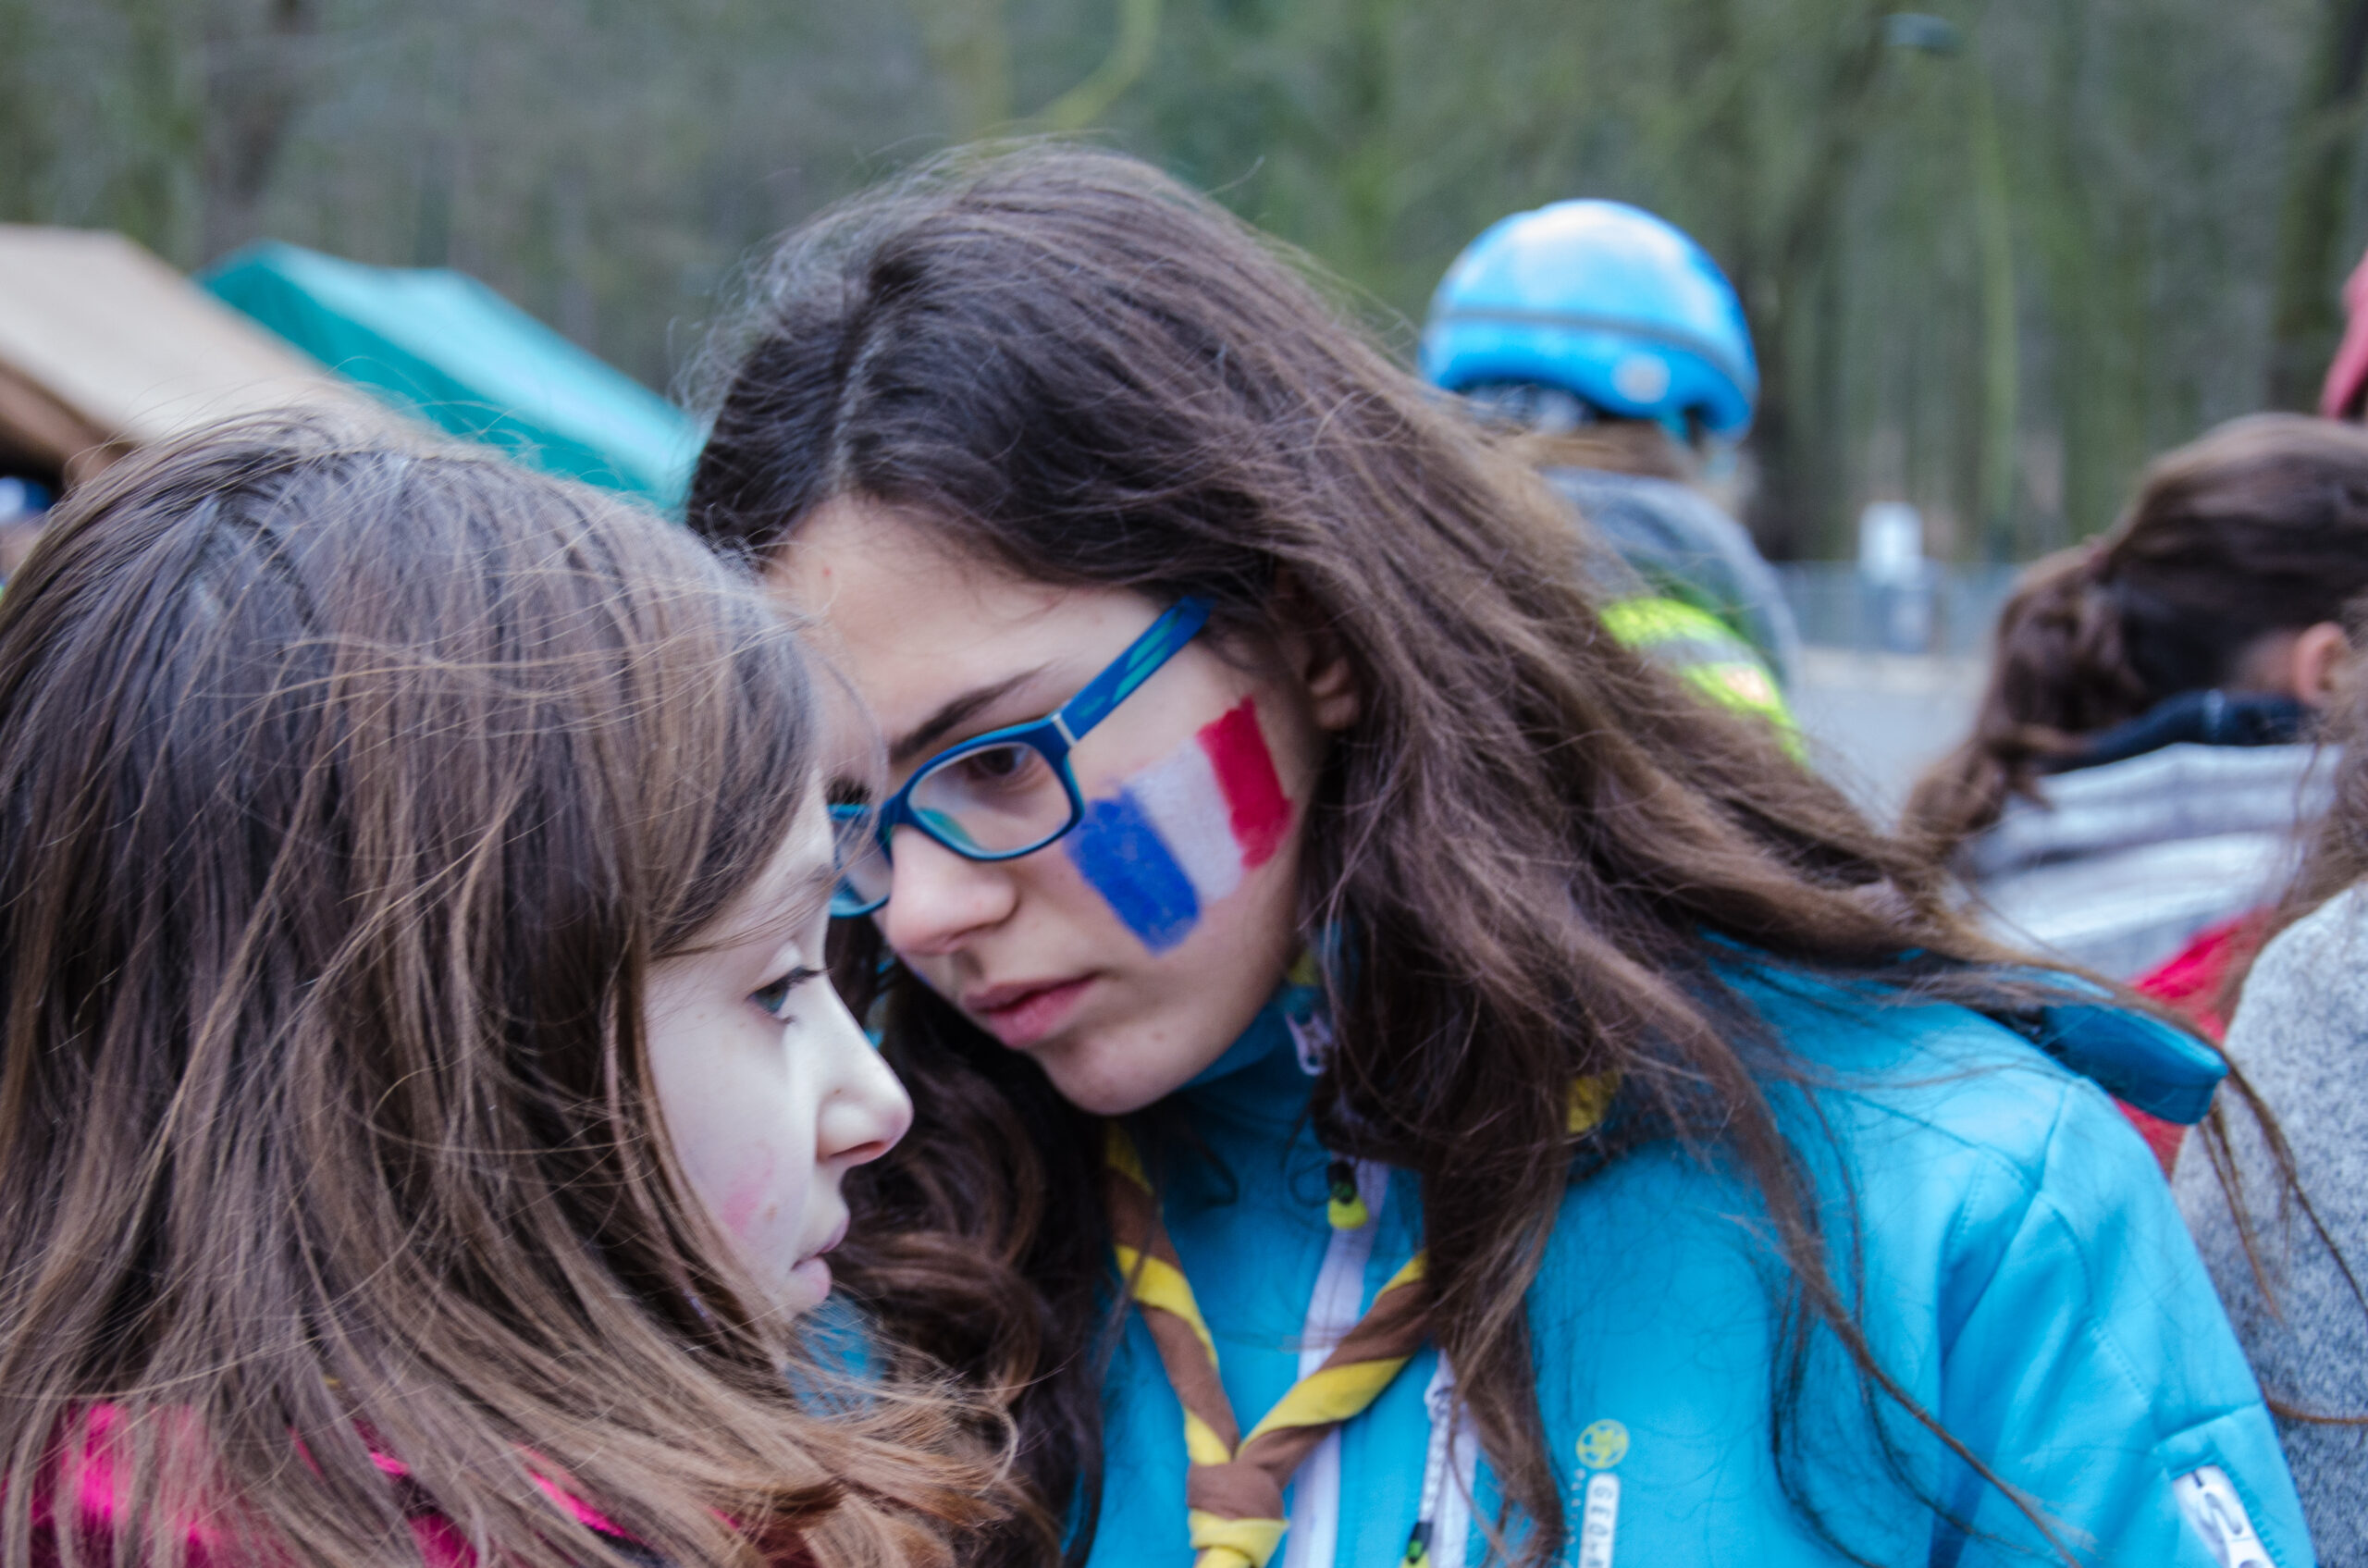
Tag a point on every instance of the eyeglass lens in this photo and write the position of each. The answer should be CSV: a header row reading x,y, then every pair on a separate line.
x,y
863,871
996,800
990,803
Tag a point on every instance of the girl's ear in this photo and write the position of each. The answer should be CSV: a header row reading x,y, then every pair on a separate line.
x,y
2317,661
1317,658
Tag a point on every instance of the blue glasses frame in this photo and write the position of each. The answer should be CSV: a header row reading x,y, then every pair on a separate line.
x,y
1052,737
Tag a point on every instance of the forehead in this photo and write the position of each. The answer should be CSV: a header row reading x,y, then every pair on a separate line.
x,y
792,888
914,622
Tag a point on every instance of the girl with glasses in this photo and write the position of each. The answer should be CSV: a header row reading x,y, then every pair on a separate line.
x,y
423,1118
1397,1079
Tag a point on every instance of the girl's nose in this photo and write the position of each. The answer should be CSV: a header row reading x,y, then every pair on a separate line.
x,y
864,1108
937,898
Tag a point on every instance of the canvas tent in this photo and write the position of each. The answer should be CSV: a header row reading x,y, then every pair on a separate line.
x,y
442,346
104,348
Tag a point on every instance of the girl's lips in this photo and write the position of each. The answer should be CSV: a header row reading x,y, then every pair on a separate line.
x,y
812,1270
1022,1015
838,1234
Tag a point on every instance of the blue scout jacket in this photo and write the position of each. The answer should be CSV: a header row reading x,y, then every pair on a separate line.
x,y
2024,1276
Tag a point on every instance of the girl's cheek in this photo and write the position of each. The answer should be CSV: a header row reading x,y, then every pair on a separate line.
x,y
1179,835
742,1207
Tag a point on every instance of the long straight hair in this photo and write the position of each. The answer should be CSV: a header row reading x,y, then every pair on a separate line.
x,y
347,794
2261,526
1531,844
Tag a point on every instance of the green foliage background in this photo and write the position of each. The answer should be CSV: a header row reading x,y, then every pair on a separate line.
x,y
1993,257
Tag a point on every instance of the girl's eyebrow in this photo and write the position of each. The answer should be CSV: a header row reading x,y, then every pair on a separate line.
x,y
812,892
930,731
803,900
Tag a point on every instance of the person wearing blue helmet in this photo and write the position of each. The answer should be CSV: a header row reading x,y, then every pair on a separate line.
x,y
1615,347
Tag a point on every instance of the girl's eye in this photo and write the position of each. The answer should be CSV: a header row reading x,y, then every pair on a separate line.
x,y
1000,770
774,997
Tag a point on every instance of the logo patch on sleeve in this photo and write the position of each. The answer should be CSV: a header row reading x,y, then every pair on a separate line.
x,y
1603,1445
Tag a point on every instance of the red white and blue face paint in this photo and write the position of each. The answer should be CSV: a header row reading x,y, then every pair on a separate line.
x,y
1181,834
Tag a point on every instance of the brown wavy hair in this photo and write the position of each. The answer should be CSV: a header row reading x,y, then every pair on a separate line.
x,y
2259,526
1531,845
347,794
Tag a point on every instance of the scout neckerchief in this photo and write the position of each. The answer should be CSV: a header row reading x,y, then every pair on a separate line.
x,y
1233,1485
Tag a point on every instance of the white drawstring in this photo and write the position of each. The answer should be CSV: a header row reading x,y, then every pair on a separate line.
x,y
1333,1307
1443,1522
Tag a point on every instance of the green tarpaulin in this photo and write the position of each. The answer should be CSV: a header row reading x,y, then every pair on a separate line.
x,y
444,346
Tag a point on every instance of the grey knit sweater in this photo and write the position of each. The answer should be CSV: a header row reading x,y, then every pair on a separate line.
x,y
2302,1036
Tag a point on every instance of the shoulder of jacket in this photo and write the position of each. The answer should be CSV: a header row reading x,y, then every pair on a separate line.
x,y
1966,1076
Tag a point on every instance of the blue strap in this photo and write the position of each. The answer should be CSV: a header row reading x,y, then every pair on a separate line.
x,y
2141,1061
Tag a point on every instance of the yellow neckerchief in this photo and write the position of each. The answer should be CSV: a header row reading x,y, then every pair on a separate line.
x,y
1233,1486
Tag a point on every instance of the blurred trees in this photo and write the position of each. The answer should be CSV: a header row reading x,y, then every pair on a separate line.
x,y
1995,252
2326,128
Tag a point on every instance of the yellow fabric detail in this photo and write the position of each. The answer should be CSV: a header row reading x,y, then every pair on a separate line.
x,y
1119,1149
1640,623
1228,1543
1740,682
1742,687
1335,1393
1161,1285
1344,1203
1590,1098
1331,1393
1747,686
1603,1444
1304,973
1201,1443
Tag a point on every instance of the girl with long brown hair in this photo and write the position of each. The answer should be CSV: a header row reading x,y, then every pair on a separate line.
x,y
2143,756
422,1117
1397,1078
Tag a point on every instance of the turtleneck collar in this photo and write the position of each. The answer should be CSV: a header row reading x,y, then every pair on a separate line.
x,y
2203,717
1264,1076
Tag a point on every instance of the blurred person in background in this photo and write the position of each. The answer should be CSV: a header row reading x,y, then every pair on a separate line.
x,y
2344,393
24,509
2285,1253
1616,351
2130,795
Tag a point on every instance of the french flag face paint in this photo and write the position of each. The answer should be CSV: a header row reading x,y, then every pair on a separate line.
x,y
1181,834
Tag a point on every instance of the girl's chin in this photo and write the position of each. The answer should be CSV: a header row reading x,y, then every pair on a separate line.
x,y
1106,1078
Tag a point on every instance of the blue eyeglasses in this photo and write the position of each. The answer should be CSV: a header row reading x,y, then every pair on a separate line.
x,y
1005,794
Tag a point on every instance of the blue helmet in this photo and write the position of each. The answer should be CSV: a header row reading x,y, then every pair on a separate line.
x,y
1605,302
